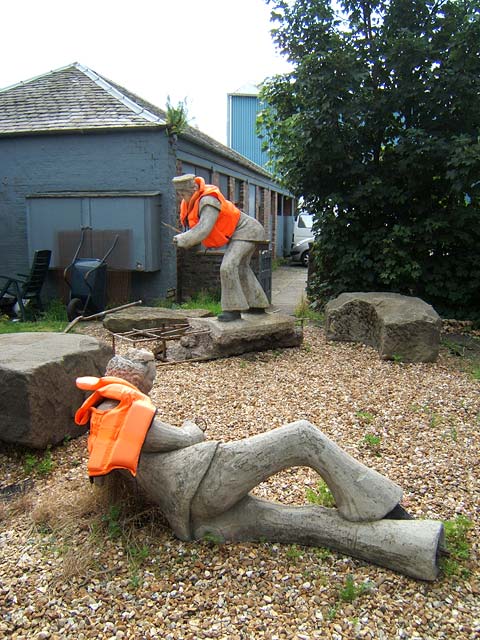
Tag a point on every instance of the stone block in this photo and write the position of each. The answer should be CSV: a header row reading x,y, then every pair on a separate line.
x,y
254,332
149,318
397,326
37,377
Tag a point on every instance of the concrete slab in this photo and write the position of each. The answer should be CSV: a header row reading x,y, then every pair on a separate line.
x,y
149,318
288,287
250,327
222,339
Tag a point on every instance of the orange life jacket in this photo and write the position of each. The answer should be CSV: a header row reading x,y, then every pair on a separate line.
x,y
227,218
116,435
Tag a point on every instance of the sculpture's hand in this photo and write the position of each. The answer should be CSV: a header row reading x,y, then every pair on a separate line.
x,y
200,231
195,432
200,422
181,241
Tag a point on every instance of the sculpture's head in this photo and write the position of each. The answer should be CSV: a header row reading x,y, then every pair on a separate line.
x,y
185,185
136,366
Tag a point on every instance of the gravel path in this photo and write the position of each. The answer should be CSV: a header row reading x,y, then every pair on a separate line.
x,y
72,567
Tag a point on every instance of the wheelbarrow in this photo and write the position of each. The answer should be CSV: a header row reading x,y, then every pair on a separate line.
x,y
87,281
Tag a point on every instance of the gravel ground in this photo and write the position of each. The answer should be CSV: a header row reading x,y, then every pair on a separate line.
x,y
72,567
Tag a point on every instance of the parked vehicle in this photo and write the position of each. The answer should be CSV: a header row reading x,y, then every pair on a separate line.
x,y
301,237
299,251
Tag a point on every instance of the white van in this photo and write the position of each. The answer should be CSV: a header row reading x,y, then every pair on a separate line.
x,y
301,237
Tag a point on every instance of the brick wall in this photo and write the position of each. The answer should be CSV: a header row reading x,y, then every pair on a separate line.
x,y
198,271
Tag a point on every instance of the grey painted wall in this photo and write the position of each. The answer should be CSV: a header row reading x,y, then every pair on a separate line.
x,y
129,160
190,152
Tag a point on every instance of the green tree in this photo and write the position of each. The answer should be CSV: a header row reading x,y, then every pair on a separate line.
x,y
377,127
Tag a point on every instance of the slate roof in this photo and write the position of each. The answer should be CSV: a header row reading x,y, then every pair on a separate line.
x,y
70,98
76,98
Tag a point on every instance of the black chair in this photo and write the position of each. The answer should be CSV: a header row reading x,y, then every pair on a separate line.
x,y
26,288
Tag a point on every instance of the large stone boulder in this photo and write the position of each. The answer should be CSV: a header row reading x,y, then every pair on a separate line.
x,y
397,326
37,378
149,318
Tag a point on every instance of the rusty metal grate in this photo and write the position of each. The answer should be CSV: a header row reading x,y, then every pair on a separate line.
x,y
156,338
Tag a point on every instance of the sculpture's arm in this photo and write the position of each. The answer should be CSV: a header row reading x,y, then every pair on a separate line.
x,y
208,218
163,437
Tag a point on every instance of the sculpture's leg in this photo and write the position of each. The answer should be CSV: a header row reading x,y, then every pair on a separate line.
x,y
410,547
360,493
233,298
252,289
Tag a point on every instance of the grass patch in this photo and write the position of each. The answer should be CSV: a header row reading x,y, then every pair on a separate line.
x,y
303,311
279,262
350,591
203,300
476,372
320,495
85,525
41,466
212,539
373,442
458,547
53,319
293,552
365,416
454,348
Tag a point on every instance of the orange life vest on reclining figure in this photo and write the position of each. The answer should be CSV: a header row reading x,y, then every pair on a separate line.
x,y
116,435
227,218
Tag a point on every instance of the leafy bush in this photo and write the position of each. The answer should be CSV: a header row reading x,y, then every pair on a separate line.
x,y
377,128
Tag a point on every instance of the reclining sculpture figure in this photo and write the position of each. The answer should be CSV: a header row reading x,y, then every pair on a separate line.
x,y
202,487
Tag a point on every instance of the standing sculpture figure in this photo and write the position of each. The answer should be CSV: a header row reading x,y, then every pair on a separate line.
x,y
214,221
202,487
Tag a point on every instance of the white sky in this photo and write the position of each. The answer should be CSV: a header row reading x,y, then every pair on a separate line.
x,y
195,49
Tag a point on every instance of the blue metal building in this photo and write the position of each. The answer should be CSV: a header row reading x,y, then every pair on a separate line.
x,y
243,108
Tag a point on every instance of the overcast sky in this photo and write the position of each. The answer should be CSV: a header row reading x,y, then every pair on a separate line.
x,y
195,49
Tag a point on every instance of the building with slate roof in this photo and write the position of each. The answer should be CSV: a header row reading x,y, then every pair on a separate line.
x,y
79,151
